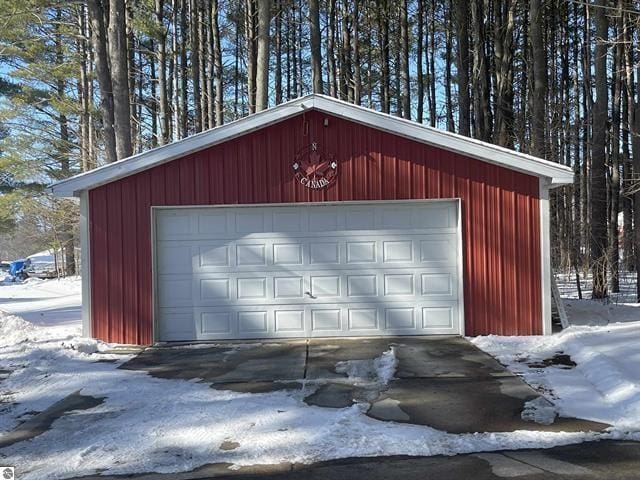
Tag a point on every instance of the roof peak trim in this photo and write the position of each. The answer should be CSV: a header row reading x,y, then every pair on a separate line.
x,y
559,174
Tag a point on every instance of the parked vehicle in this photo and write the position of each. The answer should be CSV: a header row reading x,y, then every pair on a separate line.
x,y
17,269
40,269
43,265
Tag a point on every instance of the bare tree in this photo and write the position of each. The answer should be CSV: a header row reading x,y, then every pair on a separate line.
x,y
117,46
599,160
314,24
99,38
262,72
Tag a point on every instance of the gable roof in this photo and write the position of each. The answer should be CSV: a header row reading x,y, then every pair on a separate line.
x,y
557,174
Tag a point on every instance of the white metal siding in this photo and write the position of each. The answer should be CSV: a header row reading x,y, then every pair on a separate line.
x,y
300,270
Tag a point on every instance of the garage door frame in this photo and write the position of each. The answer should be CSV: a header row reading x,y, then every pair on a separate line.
x,y
459,234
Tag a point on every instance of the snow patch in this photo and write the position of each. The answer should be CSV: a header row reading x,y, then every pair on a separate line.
x,y
14,330
604,386
385,365
379,370
539,410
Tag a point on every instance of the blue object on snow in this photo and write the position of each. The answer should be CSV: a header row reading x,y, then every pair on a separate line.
x,y
16,266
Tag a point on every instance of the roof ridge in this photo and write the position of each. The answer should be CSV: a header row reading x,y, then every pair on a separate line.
x,y
483,151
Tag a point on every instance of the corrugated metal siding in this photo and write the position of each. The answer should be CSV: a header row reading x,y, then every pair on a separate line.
x,y
501,218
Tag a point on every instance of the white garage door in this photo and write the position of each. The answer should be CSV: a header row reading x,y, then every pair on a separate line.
x,y
356,269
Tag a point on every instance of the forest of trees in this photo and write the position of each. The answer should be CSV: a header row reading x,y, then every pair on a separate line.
x,y
85,82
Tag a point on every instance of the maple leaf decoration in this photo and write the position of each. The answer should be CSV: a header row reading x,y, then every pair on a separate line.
x,y
314,166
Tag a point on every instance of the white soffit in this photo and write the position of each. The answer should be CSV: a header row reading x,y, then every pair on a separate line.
x,y
556,173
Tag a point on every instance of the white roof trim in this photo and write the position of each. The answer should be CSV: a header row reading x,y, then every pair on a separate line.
x,y
558,174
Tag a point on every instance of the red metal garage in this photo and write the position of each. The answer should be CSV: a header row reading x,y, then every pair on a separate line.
x,y
304,154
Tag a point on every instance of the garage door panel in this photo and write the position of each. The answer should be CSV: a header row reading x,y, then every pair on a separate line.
x,y
248,221
253,323
326,320
399,284
325,253
436,318
216,323
297,321
288,287
215,223
216,289
441,250
175,292
214,255
287,221
361,252
313,221
309,287
174,225
362,318
296,271
439,285
434,217
323,220
323,286
397,251
174,258
401,318
361,218
175,324
307,254
251,254
252,288
288,253
289,321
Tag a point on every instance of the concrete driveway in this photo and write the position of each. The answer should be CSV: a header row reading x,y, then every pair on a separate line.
x,y
443,382
606,460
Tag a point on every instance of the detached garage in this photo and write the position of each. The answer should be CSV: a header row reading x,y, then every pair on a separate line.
x,y
316,218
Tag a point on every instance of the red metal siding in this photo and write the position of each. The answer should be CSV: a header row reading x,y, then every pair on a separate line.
x,y
500,215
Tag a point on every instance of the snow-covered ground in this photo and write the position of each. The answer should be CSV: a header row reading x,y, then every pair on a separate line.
x,y
604,386
44,302
168,425
603,341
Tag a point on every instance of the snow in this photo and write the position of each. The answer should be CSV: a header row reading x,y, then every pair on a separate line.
x,y
539,410
378,370
169,425
604,386
598,313
44,302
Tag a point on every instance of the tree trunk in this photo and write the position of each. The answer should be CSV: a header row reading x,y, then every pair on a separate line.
x,y
217,63
462,53
614,189
99,38
163,102
184,70
504,11
251,57
118,59
447,71
278,52
598,160
419,67
355,47
431,55
404,61
262,71
316,60
383,35
539,81
345,56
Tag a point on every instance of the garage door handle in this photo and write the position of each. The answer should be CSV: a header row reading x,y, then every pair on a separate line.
x,y
310,295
